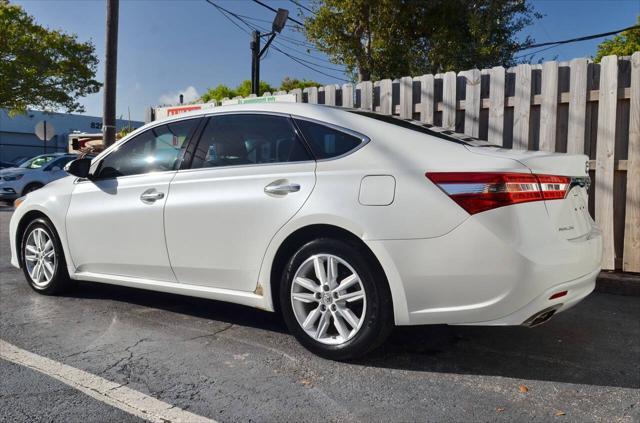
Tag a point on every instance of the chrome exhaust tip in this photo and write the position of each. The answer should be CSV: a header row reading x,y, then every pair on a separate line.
x,y
541,316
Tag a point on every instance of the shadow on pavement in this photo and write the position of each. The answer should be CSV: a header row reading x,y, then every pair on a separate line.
x,y
596,343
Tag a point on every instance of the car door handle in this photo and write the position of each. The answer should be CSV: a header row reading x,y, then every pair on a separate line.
x,y
281,187
150,196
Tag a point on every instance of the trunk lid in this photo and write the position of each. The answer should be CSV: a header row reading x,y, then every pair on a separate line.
x,y
570,216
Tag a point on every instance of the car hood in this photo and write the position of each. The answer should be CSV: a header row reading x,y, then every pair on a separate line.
x,y
13,171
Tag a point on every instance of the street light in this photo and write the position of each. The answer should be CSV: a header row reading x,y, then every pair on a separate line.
x,y
256,53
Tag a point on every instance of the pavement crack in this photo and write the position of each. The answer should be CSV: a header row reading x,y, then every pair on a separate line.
x,y
213,334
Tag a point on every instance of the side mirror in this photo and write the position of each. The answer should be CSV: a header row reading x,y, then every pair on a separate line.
x,y
79,168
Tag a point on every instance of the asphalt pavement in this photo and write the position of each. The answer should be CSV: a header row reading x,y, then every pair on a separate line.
x,y
231,363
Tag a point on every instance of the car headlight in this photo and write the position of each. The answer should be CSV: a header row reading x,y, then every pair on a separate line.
x,y
13,177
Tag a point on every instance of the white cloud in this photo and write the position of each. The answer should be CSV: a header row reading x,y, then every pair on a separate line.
x,y
190,94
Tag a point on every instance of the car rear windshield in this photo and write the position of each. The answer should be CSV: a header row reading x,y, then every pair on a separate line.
x,y
424,128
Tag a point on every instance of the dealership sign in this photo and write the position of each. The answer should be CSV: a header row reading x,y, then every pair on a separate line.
x,y
165,112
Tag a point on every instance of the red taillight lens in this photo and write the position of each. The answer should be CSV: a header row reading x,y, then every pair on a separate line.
x,y
554,187
477,192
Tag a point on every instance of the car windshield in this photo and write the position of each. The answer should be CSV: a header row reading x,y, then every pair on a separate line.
x,y
424,128
37,162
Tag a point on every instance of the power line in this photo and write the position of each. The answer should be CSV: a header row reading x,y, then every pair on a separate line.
x,y
297,3
312,63
274,10
585,38
298,60
309,67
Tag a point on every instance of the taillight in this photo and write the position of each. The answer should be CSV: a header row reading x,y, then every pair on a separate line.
x,y
477,192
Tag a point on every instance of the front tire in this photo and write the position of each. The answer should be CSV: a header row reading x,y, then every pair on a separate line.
x,y
43,260
31,187
334,300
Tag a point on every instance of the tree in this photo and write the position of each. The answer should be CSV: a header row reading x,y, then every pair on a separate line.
x,y
377,39
40,67
244,88
624,44
289,84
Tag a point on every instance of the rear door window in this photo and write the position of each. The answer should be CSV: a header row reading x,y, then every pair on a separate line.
x,y
248,139
327,142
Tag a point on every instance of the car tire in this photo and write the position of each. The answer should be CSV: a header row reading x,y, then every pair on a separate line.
x,y
42,259
30,188
331,322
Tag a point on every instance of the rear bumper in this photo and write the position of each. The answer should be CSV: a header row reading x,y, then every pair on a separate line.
x,y
497,268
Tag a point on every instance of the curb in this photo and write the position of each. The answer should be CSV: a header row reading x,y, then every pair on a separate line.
x,y
619,283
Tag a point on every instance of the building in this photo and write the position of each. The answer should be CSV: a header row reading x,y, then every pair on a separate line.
x,y
18,138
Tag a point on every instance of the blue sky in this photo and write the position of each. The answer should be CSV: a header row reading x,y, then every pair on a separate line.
x,y
172,46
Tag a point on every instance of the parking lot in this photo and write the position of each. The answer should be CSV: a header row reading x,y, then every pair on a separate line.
x,y
231,363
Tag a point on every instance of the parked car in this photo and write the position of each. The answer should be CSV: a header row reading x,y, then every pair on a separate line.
x,y
346,222
32,174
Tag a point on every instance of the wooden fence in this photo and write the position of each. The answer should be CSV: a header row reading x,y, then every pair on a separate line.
x,y
577,107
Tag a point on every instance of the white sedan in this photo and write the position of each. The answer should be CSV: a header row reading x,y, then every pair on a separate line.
x,y
346,222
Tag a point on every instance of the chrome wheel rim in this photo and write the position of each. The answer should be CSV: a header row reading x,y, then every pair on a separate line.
x,y
328,299
40,257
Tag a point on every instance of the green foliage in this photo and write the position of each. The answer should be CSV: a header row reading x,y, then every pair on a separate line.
x,y
244,89
289,84
624,44
378,39
42,68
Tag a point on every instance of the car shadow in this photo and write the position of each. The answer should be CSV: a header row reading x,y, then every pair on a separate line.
x,y
595,343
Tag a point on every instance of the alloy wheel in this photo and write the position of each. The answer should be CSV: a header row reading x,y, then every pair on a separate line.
x,y
40,257
328,299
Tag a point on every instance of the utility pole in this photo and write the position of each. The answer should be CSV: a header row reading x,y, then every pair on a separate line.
x,y
256,52
110,74
255,62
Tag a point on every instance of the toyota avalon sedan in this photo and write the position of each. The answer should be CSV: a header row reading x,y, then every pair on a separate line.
x,y
346,222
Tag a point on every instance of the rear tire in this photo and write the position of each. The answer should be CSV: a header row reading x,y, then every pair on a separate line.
x,y
42,259
334,300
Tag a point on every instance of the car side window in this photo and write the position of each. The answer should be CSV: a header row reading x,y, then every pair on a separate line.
x,y
59,163
325,141
246,139
158,149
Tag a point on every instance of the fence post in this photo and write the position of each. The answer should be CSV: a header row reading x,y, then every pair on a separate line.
x,y
549,106
347,95
427,98
330,95
522,107
312,95
496,105
449,101
386,99
631,255
366,95
406,97
605,148
472,103
577,106
298,93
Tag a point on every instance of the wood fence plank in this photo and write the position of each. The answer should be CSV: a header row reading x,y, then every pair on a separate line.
x,y
406,97
577,106
496,106
330,95
522,107
631,253
604,156
366,95
347,95
472,103
427,98
386,98
549,107
449,101
298,93
312,95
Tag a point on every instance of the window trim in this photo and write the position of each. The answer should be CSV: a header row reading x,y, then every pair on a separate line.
x,y
209,117
364,140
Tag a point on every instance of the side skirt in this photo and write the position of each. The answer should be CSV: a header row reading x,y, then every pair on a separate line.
x,y
238,297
